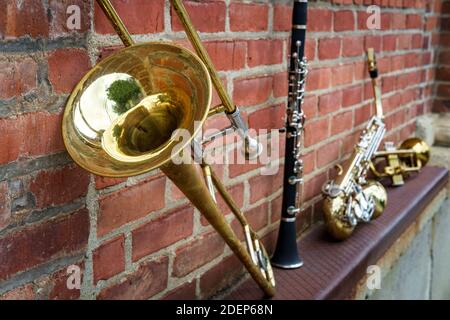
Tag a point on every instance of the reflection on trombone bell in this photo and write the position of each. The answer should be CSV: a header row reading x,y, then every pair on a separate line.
x,y
122,119
397,163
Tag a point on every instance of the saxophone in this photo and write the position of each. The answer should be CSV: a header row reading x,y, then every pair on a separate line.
x,y
351,198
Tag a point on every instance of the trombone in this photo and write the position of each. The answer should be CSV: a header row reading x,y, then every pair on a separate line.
x,y
128,114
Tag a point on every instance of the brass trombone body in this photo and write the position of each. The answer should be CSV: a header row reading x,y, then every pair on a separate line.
x,y
127,116
397,163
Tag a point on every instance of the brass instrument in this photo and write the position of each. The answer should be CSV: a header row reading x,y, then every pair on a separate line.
x,y
131,112
351,198
397,163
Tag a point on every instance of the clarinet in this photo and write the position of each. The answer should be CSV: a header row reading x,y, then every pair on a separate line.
x,y
286,254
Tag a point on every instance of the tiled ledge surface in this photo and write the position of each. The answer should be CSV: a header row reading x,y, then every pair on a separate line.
x,y
333,269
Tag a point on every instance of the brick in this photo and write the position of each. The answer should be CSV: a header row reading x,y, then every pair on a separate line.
x,y
359,70
310,49
66,67
263,186
386,21
40,243
362,20
17,77
30,134
416,42
351,96
58,284
398,21
275,208
59,186
372,42
414,21
327,154
5,205
248,17
362,114
220,276
109,259
282,18
60,17
149,278
329,48
280,84
184,292
140,16
131,203
162,232
330,102
213,21
257,219
353,46
197,253
267,118
264,52
316,131
319,19
318,78
313,186
344,20
252,91
104,182
22,18
227,55
342,74
341,122
389,42
24,292
310,106
404,41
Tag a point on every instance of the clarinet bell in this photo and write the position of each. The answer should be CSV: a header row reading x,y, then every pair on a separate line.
x,y
286,254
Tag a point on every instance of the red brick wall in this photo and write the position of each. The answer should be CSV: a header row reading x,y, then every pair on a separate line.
x,y
139,237
442,102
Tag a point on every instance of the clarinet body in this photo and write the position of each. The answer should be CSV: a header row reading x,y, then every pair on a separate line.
x,y
286,253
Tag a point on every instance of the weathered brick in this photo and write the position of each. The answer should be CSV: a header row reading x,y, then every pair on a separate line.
x,y
316,131
267,118
282,18
328,153
341,122
21,18
184,292
5,205
59,186
24,292
129,204
17,77
352,46
344,20
263,186
140,16
252,91
318,78
313,186
248,17
227,55
161,232
319,19
329,48
33,245
330,102
197,253
58,284
66,67
351,96
30,134
109,259
342,74
149,278
213,21
280,84
220,276
264,52
60,16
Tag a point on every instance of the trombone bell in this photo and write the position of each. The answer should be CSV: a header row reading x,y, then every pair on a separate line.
x,y
121,118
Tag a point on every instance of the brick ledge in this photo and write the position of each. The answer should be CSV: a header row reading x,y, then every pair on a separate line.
x,y
332,270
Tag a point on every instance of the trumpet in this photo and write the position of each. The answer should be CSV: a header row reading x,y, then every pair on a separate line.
x,y
398,163
129,115
351,198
